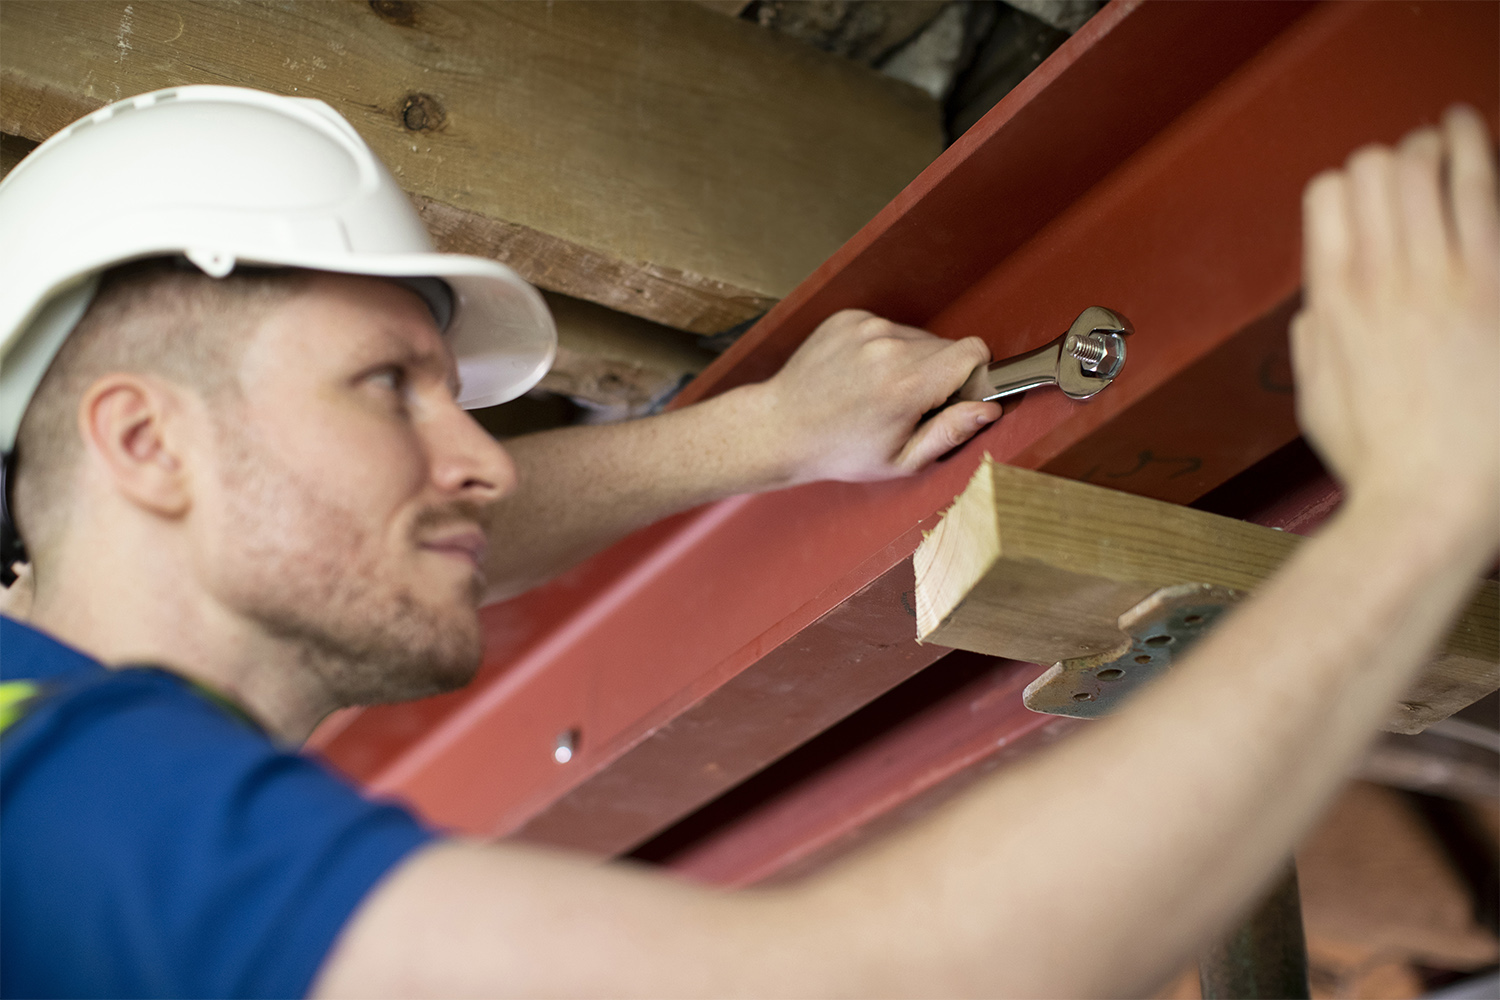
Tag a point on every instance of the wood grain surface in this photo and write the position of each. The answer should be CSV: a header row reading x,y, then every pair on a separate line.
x,y
654,157
615,364
1039,568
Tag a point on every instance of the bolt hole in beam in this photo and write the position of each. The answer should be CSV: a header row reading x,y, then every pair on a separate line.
x,y
1192,619
1083,696
1159,640
1111,674
1143,658
422,113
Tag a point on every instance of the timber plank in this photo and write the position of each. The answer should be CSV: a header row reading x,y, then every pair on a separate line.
x,y
656,158
1039,568
615,364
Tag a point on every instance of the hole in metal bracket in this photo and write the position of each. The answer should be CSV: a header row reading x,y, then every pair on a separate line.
x,y
1159,640
1111,673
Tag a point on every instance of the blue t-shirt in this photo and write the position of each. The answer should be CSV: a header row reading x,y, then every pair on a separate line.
x,y
154,845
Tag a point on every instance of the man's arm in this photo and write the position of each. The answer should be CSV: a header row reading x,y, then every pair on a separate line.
x,y
845,406
1098,869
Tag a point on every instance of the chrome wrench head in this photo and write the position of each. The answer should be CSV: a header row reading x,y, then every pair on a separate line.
x,y
1080,362
1092,352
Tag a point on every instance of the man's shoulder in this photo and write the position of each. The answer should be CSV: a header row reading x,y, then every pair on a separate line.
x,y
168,839
51,692
29,654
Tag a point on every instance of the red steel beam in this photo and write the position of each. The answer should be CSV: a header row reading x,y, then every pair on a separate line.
x,y
1153,164
797,815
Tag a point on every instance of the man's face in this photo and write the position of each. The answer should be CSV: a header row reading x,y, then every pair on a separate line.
x,y
348,509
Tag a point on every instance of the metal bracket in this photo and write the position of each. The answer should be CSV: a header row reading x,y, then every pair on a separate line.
x,y
1159,629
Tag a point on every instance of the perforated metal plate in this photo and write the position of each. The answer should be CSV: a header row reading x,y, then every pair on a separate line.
x,y
1158,631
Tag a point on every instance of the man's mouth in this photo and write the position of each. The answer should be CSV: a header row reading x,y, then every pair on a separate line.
x,y
466,543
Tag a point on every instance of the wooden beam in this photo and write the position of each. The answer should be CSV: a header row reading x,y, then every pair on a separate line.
x,y
617,365
865,30
13,150
1038,568
729,8
655,158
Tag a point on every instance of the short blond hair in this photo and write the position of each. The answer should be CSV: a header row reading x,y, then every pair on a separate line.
x,y
160,317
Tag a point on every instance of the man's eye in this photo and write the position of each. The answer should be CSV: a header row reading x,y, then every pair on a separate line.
x,y
392,378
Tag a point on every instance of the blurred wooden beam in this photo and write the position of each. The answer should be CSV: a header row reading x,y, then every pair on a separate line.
x,y
656,158
616,365
729,8
13,150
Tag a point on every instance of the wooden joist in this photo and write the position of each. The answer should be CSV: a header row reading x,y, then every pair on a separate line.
x,y
1039,568
617,365
657,158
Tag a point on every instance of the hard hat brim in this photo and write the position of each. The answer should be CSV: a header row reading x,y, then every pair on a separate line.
x,y
502,334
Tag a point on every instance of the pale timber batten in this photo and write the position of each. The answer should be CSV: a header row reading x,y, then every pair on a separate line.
x,y
1040,568
659,159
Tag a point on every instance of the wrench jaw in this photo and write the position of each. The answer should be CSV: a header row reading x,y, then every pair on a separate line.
x,y
1092,352
1080,362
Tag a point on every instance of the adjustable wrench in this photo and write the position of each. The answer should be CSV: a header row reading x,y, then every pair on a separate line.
x,y
1080,362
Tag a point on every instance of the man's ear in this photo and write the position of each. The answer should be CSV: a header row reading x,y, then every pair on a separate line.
x,y
131,425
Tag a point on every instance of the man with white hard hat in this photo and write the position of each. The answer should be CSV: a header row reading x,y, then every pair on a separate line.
x,y
233,375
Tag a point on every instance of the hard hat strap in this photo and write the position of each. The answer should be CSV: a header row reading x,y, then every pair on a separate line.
x,y
12,549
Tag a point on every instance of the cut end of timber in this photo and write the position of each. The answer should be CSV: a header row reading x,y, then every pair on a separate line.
x,y
958,552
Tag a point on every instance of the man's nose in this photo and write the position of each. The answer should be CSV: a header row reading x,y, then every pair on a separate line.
x,y
467,463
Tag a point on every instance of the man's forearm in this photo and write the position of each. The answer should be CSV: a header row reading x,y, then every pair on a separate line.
x,y
584,487
1096,870
1168,816
846,406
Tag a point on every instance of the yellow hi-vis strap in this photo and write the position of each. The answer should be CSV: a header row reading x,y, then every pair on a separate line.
x,y
13,698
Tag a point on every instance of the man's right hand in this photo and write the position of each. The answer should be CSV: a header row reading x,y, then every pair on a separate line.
x,y
1397,349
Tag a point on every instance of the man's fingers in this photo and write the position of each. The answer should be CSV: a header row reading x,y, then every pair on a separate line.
x,y
1326,235
1429,243
1471,186
945,431
1376,225
946,369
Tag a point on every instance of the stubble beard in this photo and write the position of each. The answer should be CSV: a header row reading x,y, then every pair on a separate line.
x,y
306,572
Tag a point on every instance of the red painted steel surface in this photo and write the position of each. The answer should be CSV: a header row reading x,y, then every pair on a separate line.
x,y
887,781
1182,215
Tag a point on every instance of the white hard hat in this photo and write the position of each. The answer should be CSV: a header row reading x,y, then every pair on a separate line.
x,y
223,176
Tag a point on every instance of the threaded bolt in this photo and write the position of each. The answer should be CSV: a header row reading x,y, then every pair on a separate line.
x,y
1090,350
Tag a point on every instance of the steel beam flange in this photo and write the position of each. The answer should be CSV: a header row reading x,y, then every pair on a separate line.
x,y
1158,630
